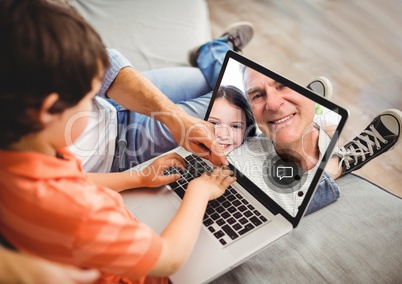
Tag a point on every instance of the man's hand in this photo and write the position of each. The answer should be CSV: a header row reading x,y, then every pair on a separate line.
x,y
136,93
195,135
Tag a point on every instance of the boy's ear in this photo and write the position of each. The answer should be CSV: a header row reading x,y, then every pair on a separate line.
x,y
45,117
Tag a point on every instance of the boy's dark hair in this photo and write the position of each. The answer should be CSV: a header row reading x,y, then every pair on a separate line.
x,y
45,48
237,98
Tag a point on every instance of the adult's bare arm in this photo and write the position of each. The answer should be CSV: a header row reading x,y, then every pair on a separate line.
x,y
135,92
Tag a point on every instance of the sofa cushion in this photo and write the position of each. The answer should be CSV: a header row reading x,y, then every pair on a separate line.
x,y
357,239
149,33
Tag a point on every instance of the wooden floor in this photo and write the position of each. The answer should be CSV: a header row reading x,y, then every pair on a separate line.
x,y
356,44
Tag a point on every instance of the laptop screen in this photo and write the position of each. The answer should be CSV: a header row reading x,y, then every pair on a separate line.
x,y
276,134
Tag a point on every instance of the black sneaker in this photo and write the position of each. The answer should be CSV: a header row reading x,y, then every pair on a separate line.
x,y
322,86
382,135
238,35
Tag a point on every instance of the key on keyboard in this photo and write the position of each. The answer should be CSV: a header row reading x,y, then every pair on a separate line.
x,y
227,217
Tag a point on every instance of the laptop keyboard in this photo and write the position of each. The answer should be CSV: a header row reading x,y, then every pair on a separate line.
x,y
227,217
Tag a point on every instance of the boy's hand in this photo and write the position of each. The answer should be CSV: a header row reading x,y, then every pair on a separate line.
x,y
216,182
152,175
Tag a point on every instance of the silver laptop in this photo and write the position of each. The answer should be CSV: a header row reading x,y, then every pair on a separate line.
x,y
273,187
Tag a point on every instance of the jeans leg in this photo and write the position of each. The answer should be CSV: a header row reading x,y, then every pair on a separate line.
x,y
142,138
179,83
172,81
211,59
327,192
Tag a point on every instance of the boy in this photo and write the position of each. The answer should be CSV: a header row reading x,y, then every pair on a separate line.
x,y
52,63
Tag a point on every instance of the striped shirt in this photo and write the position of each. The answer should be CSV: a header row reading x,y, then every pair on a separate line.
x,y
96,146
251,157
50,208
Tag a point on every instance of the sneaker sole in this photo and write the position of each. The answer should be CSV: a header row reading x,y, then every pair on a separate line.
x,y
326,85
398,116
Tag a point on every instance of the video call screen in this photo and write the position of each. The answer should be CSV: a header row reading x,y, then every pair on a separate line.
x,y
272,134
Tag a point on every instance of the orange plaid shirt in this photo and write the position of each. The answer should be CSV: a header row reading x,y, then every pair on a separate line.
x,y
50,208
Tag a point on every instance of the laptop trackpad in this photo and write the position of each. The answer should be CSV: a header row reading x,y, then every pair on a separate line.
x,y
156,214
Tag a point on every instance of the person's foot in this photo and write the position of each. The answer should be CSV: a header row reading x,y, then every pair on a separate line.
x,y
380,136
238,36
321,86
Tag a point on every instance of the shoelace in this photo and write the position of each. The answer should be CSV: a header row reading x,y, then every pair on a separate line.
x,y
236,42
351,153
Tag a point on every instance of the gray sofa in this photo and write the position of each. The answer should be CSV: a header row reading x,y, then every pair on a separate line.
x,y
357,239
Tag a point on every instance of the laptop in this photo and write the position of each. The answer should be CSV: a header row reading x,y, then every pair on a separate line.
x,y
273,188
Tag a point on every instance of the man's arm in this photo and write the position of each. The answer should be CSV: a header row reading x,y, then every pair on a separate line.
x,y
135,92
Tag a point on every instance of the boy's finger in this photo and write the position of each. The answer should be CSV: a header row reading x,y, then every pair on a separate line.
x,y
221,177
172,162
222,171
169,178
227,172
180,166
228,181
175,157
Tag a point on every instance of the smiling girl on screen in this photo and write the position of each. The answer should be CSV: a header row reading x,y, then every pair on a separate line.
x,y
231,114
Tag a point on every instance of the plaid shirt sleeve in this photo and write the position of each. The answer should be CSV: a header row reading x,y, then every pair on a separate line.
x,y
117,62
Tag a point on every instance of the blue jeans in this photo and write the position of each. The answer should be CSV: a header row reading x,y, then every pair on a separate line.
x,y
327,192
141,138
211,58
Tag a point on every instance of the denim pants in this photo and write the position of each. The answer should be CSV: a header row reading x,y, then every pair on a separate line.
x,y
141,138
